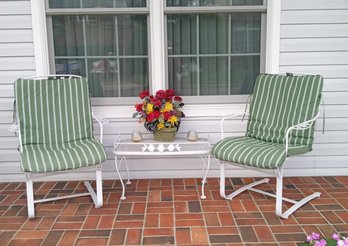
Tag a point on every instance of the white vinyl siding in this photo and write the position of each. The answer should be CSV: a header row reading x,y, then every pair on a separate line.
x,y
16,60
314,40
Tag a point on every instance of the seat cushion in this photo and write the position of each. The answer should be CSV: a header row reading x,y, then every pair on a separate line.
x,y
254,152
39,158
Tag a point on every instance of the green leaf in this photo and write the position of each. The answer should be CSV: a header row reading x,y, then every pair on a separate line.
x,y
331,242
135,114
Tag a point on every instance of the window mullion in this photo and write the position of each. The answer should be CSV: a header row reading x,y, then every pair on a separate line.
x,y
197,59
157,54
118,59
229,40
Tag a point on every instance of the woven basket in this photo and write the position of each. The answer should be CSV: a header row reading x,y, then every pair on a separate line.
x,y
165,135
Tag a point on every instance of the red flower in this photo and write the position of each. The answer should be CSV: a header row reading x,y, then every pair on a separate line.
x,y
139,107
157,103
161,94
144,94
166,115
177,98
170,93
154,115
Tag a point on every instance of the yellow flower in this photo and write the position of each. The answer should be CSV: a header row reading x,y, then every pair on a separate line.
x,y
160,126
149,108
167,107
173,119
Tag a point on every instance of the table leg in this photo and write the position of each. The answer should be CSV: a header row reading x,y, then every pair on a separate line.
x,y
125,162
206,164
119,175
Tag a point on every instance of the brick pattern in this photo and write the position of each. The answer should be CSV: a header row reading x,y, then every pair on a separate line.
x,y
170,211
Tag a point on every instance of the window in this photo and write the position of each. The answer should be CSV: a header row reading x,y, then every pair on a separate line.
x,y
109,48
214,50
212,47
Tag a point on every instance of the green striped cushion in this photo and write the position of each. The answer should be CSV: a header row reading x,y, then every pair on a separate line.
x,y
62,156
282,101
254,152
53,111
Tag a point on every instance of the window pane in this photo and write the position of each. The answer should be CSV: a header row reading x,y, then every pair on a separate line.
x,y
68,35
195,3
71,66
111,51
244,70
182,38
222,57
182,73
123,34
96,3
214,76
103,77
246,33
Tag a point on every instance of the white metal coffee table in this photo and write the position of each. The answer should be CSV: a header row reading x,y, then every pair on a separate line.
x,y
124,148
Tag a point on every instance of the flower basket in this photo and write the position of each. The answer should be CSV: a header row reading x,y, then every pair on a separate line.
x,y
165,134
160,113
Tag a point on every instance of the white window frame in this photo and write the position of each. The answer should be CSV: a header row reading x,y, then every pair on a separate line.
x,y
157,52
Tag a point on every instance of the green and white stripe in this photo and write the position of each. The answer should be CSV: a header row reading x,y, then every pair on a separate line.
x,y
56,125
278,103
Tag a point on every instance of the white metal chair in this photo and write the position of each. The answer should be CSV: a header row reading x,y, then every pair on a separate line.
x,y
281,124
54,126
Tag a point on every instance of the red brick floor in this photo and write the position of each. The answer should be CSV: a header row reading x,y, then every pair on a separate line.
x,y
170,211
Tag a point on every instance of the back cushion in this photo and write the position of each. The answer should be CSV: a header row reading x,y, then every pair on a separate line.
x,y
283,101
53,110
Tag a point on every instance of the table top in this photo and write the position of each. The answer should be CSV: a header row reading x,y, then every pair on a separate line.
x,y
148,146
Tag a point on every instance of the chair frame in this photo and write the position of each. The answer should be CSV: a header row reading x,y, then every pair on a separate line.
x,y
97,196
278,173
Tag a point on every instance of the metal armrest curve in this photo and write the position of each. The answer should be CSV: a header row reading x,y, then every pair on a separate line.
x,y
300,126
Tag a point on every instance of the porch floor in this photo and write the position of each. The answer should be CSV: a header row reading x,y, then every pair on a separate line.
x,y
170,211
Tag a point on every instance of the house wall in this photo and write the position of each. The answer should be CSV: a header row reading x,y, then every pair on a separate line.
x,y
314,39
16,60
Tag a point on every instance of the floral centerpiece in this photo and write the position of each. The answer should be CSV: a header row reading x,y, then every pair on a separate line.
x,y
315,240
161,112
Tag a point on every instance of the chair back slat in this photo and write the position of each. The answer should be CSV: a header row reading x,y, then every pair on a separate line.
x,y
283,101
53,110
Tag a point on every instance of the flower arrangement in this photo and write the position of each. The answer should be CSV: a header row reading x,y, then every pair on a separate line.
x,y
163,110
315,240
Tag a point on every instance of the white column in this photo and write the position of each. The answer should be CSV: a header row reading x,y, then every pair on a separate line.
x,y
273,36
157,59
38,16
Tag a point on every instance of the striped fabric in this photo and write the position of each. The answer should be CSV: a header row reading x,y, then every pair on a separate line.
x,y
61,156
254,152
56,125
278,103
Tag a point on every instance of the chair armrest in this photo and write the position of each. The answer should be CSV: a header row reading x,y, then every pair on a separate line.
x,y
300,126
101,122
228,117
14,128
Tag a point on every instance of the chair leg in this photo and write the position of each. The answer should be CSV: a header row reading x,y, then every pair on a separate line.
x,y
222,180
97,196
30,199
99,188
279,195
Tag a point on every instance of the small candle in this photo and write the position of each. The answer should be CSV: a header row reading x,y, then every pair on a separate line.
x,y
136,136
192,135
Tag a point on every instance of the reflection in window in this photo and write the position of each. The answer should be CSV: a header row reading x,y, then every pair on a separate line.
x,y
111,51
96,3
213,54
196,3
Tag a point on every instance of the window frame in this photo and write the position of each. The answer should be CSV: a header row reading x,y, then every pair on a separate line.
x,y
219,99
269,57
